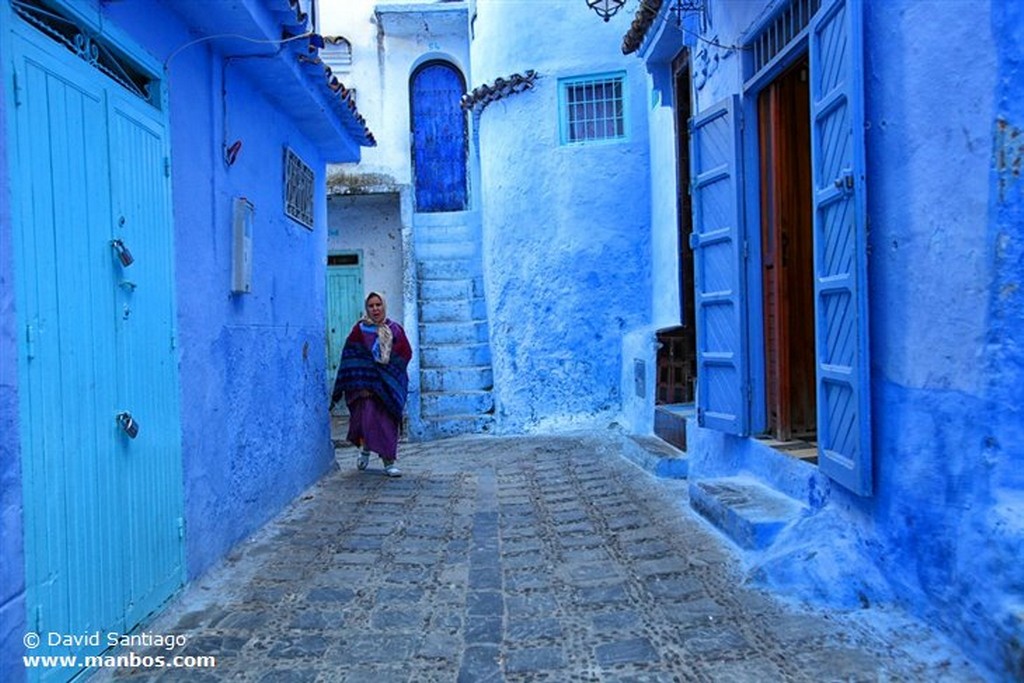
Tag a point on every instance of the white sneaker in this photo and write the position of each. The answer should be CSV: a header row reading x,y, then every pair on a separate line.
x,y
392,470
363,460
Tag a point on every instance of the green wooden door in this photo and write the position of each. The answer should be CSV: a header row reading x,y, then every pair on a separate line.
x,y
344,304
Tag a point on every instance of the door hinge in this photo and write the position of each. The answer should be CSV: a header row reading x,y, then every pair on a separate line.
x,y
167,167
181,527
700,417
39,619
17,90
746,250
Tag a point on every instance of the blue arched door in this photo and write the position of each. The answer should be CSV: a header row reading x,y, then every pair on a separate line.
x,y
440,145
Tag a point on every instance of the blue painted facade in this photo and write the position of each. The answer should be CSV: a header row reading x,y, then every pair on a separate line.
x,y
938,524
253,428
565,227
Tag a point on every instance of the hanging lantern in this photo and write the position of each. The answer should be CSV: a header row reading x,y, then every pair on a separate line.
x,y
606,9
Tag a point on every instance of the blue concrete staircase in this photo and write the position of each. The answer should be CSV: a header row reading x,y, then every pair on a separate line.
x,y
456,378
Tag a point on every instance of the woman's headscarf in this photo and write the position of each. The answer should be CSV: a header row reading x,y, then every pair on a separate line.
x,y
381,347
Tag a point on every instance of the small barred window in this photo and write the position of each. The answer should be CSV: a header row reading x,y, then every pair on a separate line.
x,y
298,189
592,108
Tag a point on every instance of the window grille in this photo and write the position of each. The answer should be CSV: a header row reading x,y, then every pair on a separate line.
x,y
298,189
91,48
336,53
592,108
773,38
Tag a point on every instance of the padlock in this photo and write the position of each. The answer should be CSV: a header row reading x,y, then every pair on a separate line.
x,y
123,254
128,424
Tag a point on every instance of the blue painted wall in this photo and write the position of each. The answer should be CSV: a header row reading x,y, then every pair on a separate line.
x,y
254,407
943,533
566,236
255,429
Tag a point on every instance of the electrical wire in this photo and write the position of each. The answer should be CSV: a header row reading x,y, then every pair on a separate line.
x,y
714,42
679,24
236,36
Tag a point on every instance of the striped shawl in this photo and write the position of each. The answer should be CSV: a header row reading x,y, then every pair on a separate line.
x,y
388,383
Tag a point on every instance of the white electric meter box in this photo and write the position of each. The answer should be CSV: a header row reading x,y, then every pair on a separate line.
x,y
241,247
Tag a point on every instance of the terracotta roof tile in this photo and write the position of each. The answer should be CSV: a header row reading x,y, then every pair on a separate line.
x,y
642,22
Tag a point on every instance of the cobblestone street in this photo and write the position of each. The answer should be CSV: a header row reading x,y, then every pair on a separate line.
x,y
516,559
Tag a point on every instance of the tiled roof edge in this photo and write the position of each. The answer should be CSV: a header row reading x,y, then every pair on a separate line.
x,y
480,96
339,98
642,22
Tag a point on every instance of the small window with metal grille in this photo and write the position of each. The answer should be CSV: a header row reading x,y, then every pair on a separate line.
x,y
298,189
97,50
592,108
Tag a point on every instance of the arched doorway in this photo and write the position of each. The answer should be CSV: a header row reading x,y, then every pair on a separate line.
x,y
440,140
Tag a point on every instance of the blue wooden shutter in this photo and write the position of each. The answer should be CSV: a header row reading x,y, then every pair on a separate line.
x,y
440,148
718,255
840,245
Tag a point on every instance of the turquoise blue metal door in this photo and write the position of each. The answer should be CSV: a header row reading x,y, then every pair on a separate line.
x,y
103,511
150,465
344,304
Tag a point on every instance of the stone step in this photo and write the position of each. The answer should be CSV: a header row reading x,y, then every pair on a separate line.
x,y
748,512
670,423
455,232
441,427
457,379
465,310
449,269
449,290
447,250
656,456
455,355
433,334
453,404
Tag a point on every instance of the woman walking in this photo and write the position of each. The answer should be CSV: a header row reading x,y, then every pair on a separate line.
x,y
373,380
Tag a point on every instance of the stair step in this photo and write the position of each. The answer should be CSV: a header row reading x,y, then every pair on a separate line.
x,y
449,269
670,424
455,355
447,250
456,232
748,512
441,427
446,290
457,379
437,333
465,310
455,403
656,456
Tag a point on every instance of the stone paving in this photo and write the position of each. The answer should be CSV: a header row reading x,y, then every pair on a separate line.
x,y
515,559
